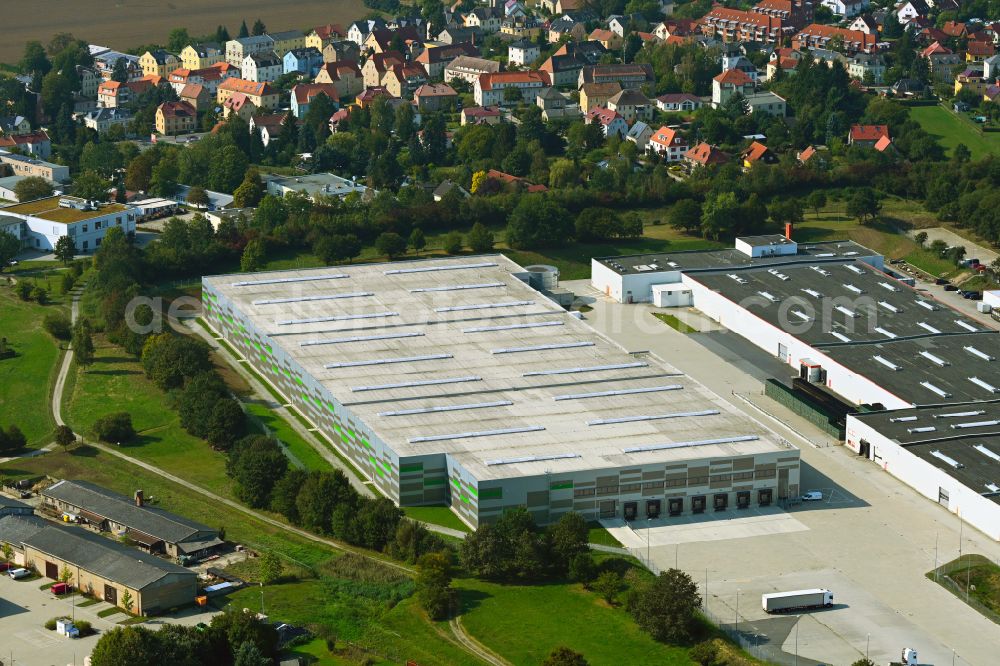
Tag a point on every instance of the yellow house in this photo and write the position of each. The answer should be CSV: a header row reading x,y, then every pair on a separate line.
x,y
201,56
973,82
323,35
610,40
593,95
288,40
261,95
176,118
158,63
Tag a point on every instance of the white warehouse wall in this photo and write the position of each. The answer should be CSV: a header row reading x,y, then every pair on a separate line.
x,y
925,478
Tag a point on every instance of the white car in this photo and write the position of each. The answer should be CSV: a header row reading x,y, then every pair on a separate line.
x,y
19,573
812,496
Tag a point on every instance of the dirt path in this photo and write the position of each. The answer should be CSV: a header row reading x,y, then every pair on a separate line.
x,y
475,647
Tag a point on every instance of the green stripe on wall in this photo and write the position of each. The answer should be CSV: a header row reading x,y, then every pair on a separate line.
x,y
412,467
560,485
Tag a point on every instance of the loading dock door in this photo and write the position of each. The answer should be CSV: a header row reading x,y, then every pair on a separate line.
x,y
607,509
764,496
675,506
631,510
110,595
720,501
653,508
52,571
864,449
698,504
943,497
782,351
743,499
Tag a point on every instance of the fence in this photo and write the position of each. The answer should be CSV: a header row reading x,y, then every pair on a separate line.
x,y
956,577
744,634
801,405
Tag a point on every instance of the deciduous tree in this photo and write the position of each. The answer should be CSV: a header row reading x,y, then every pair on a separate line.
x,y
31,188
65,250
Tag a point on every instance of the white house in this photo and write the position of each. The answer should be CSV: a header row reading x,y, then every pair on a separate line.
x,y
261,67
86,222
101,120
846,8
523,52
668,143
640,134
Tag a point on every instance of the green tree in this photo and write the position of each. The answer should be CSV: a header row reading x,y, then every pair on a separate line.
x,y
31,188
433,584
250,191
65,250
12,440
34,61
608,585
705,653
719,214
863,662
568,537
286,492
563,656
170,359
480,238
920,238
667,607
417,239
227,169
114,428
816,200
259,28
337,247
58,326
197,196
41,295
390,244
10,246
65,436
126,646
685,215
270,568
256,463
89,185
254,256
226,424
244,30
82,343
453,242
236,628
248,654
538,221
178,39
582,568
864,205
24,289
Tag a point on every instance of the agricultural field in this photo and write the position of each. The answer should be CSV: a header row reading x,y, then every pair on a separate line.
x,y
132,23
951,130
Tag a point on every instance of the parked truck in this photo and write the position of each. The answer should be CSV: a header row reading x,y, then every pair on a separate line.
x,y
780,602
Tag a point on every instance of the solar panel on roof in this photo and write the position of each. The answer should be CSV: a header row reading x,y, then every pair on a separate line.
x,y
602,394
652,417
458,287
421,382
562,345
697,442
361,338
318,320
324,297
593,368
447,408
477,433
510,327
427,269
312,278
384,361
483,306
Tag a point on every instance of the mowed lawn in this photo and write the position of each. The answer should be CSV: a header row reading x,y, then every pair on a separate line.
x,y
26,380
950,130
525,623
116,383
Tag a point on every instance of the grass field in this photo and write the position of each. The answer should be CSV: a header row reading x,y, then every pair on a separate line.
x,y
134,23
437,515
26,380
280,429
116,383
597,534
950,130
980,576
674,323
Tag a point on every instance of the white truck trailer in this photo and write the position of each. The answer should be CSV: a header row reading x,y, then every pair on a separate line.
x,y
780,602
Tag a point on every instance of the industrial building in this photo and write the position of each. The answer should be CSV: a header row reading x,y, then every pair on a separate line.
x,y
44,221
949,454
456,381
107,570
148,527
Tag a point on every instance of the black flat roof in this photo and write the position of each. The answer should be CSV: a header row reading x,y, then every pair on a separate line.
x,y
961,439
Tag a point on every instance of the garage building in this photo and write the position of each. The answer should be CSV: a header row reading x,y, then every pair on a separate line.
x,y
104,569
453,381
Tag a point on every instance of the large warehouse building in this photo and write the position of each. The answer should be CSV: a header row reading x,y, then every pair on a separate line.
x,y
850,329
453,381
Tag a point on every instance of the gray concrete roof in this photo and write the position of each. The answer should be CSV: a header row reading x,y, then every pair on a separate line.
x,y
147,519
103,557
17,529
501,355
10,502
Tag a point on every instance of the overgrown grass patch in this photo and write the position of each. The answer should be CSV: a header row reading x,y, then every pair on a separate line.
x,y
673,322
437,515
596,533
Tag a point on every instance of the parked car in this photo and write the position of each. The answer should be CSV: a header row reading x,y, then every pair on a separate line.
x,y
950,287
17,574
25,494
940,281
812,496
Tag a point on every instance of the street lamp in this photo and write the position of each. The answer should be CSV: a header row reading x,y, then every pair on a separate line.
x,y
737,611
797,618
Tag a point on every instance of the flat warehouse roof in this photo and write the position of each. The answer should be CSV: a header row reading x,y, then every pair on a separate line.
x,y
694,260
461,356
961,439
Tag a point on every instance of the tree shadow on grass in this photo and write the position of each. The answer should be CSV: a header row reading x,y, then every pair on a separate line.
x,y
84,451
113,373
471,599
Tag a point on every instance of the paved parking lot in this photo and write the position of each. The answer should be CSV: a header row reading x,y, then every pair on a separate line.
x,y
870,541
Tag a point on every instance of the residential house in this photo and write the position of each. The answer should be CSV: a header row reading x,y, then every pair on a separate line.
x,y
589,53
111,94
865,23
794,13
506,180
734,25
972,79
481,115
380,41
787,64
303,94
767,102
742,63
435,97
593,95
991,67
201,56
908,87
262,95
303,61
344,75
240,48
176,118
632,105
523,52
89,80
268,125
867,136
342,50
640,133
817,36
259,67
907,10
376,67
455,35
403,80
436,59
101,120
675,102
757,153
24,165
323,35
611,122
668,143
15,125
979,51
522,27
704,154
489,88
365,98
552,103
941,62
484,19
608,39
358,31
955,29
729,83
622,25
315,186
514,8
106,59
197,96
566,27
447,187
288,40
633,75
846,8
563,70
210,77
158,62
866,67
675,29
